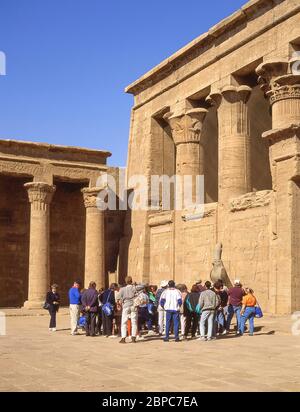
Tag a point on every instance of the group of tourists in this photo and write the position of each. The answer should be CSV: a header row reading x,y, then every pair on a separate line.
x,y
136,311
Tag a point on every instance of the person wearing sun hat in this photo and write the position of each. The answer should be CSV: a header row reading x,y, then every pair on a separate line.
x,y
235,298
160,310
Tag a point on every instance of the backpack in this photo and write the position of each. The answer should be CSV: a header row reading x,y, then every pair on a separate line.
x,y
108,308
82,322
140,299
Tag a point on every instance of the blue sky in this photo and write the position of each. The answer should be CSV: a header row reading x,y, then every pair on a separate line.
x,y
68,62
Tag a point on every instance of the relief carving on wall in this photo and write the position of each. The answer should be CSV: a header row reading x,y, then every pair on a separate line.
x,y
251,200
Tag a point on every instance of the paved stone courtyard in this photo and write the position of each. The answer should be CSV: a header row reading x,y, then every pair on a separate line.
x,y
33,359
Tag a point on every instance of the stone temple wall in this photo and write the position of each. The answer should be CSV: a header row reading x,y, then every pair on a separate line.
x,y
246,245
228,107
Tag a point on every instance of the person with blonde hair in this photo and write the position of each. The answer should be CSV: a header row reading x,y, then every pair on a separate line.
x,y
129,310
248,311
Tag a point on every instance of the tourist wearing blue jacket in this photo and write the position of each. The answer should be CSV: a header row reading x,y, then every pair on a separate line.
x,y
75,302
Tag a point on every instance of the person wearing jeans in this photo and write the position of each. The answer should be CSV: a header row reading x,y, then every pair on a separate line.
x,y
234,310
171,300
248,311
172,316
235,305
209,301
222,310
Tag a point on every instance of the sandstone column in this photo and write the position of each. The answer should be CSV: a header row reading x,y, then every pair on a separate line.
x,y
234,174
94,238
186,132
186,127
40,195
282,87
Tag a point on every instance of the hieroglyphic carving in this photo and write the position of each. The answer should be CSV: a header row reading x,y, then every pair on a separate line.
x,y
17,167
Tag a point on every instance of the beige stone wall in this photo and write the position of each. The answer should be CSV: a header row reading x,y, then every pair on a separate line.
x,y
259,241
195,247
247,244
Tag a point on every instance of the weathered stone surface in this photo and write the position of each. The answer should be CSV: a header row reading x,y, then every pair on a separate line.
x,y
250,200
43,231
253,181
94,241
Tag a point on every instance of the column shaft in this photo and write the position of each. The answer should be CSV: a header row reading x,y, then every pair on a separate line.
x,y
234,172
94,240
40,196
282,87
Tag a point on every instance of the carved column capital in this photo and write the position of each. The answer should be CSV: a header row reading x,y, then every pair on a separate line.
x,y
230,94
91,198
186,127
269,71
278,80
40,194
